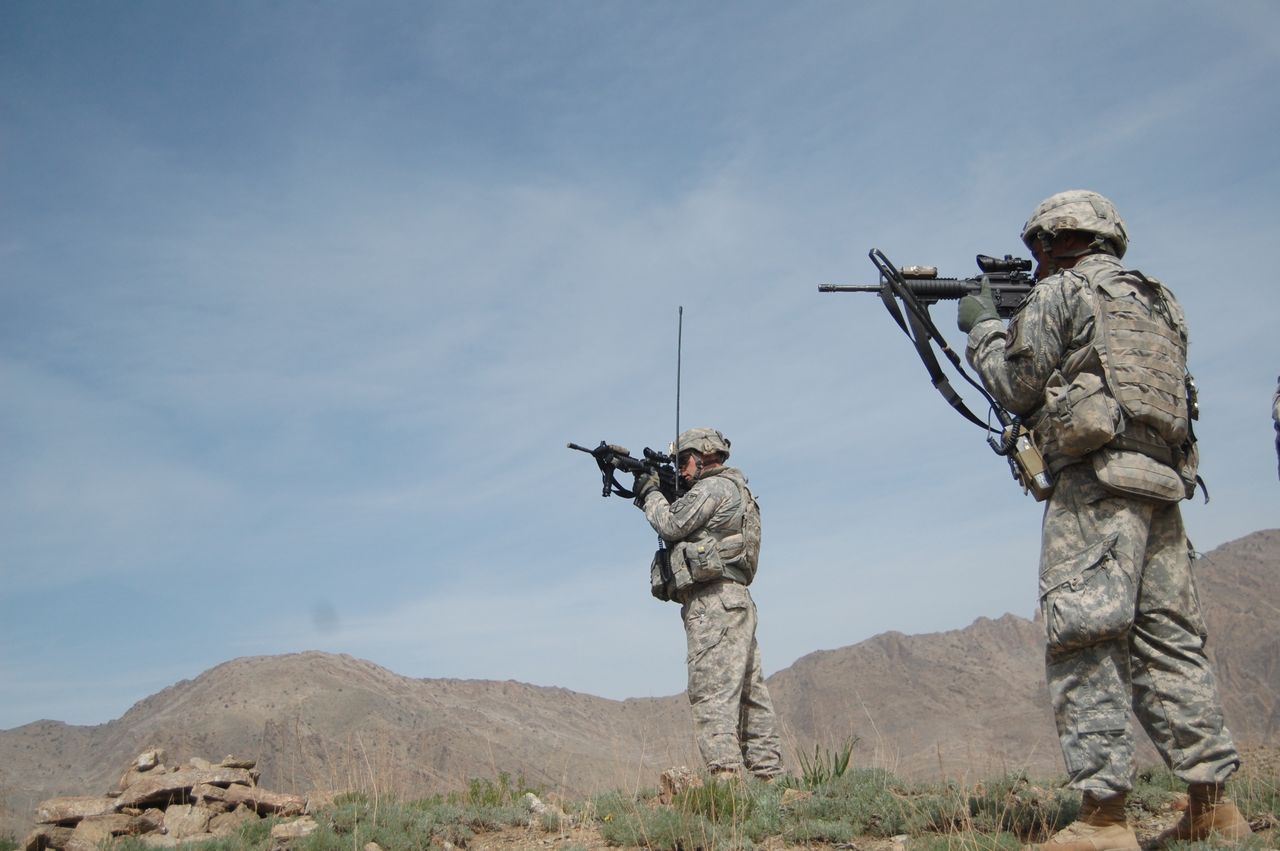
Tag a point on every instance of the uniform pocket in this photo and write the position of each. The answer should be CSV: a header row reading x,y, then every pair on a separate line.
x,y
704,627
1087,598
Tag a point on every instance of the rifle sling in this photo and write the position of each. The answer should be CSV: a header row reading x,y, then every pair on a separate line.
x,y
920,336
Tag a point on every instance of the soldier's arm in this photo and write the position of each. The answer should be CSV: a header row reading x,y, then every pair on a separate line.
x,y
1016,362
678,520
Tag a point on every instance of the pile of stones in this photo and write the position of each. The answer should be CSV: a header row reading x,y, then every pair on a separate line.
x,y
167,806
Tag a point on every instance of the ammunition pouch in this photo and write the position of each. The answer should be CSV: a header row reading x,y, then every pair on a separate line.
x,y
676,567
1079,417
705,560
668,573
1087,598
1134,474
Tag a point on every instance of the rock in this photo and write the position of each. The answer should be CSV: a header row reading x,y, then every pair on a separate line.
x,y
92,831
226,824
372,846
165,807
131,776
182,821
296,829
176,786
542,809
791,797
205,793
69,811
318,799
265,802
150,819
676,780
46,836
112,824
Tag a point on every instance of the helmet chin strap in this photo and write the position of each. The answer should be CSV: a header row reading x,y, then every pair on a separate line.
x,y
1052,255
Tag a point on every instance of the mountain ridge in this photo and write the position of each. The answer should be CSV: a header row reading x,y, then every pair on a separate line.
x,y
959,704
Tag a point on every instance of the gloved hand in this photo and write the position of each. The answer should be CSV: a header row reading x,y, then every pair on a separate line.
x,y
976,308
646,482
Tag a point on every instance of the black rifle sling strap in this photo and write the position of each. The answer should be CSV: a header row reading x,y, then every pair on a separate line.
x,y
920,329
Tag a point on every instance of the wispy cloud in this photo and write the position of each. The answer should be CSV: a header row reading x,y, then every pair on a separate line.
x,y
295,321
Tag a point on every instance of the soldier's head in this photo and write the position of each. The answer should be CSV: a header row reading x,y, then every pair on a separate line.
x,y
698,449
1070,225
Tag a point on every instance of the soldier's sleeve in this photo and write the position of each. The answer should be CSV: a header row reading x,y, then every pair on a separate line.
x,y
1015,363
678,520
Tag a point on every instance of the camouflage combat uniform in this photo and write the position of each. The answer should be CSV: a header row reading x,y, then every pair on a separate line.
x,y
1275,415
732,712
1138,635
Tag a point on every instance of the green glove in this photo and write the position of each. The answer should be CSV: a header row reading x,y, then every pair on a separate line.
x,y
646,482
976,308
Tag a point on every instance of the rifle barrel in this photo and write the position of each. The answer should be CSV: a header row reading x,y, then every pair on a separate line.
x,y
923,288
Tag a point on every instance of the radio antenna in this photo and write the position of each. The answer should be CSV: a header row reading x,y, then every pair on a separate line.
x,y
679,349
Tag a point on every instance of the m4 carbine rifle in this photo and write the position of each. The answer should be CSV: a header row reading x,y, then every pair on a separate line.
x,y
1009,278
907,293
613,459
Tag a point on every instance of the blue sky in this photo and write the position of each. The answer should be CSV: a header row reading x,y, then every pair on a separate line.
x,y
300,303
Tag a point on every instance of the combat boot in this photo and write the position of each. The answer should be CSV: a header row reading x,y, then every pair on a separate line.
x,y
1101,826
726,775
1208,812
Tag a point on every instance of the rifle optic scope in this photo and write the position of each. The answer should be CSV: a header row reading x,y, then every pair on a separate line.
x,y
1008,263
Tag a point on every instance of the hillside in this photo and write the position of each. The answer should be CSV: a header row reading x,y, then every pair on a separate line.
x,y
960,704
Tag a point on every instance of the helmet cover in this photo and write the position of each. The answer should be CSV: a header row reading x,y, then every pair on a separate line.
x,y
705,441
1078,210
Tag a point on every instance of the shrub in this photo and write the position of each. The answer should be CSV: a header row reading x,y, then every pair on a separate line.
x,y
1013,804
825,766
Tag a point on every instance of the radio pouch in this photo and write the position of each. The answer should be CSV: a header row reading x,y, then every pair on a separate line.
x,y
669,573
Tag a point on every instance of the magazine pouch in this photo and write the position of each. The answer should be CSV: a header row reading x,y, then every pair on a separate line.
x,y
703,558
1080,416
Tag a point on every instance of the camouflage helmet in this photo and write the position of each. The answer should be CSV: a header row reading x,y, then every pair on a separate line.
x,y
705,441
1078,210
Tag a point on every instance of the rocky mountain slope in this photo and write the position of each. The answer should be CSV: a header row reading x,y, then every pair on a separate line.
x,y
962,704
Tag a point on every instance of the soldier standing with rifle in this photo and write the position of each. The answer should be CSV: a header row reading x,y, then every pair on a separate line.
x,y
1275,415
712,545
1095,362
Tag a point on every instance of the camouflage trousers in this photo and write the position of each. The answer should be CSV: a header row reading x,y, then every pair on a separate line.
x,y
732,714
1125,630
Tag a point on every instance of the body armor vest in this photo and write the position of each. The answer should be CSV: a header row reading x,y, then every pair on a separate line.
x,y
1140,336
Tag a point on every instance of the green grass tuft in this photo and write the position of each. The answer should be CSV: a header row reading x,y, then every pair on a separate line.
x,y
825,766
